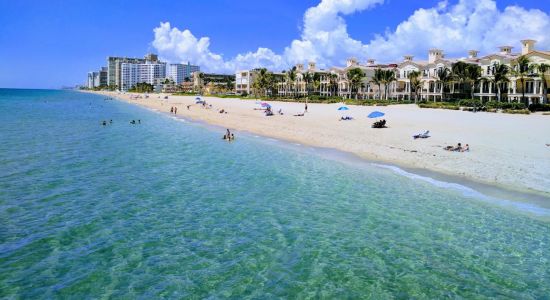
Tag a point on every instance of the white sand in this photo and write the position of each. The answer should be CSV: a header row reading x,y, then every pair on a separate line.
x,y
506,150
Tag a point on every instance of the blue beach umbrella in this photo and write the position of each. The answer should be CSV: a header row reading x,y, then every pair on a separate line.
x,y
264,104
343,108
376,114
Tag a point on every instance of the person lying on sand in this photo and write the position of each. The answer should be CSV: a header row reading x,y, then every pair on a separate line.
x,y
299,115
458,148
346,118
280,111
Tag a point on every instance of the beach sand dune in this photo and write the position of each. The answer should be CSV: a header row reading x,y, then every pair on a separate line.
x,y
506,150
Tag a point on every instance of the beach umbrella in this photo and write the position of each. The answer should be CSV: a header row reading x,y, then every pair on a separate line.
x,y
343,108
376,114
265,104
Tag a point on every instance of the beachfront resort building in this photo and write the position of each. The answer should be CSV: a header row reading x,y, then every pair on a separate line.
x,y
436,81
180,73
428,80
243,81
213,83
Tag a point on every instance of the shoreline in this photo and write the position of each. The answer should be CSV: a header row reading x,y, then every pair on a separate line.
x,y
494,188
533,203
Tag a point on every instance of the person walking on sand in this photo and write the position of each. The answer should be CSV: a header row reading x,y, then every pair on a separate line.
x,y
175,110
305,109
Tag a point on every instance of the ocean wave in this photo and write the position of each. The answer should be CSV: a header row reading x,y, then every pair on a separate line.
x,y
470,192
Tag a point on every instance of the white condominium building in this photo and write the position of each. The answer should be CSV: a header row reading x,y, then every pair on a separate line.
x,y
243,81
134,73
180,72
93,80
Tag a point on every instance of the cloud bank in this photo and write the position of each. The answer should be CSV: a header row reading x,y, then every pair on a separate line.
x,y
468,24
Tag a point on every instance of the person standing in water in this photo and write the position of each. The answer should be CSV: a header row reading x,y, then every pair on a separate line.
x,y
175,110
172,109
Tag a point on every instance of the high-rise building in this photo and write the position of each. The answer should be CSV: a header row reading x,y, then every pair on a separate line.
x,y
114,66
103,74
179,72
148,72
93,80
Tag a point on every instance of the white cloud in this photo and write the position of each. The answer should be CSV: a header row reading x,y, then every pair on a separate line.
x,y
469,24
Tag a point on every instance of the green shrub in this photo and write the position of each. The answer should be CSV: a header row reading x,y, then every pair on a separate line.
x,y
470,103
516,111
539,107
440,105
505,105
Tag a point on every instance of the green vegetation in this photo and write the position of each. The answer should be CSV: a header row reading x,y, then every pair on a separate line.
x,y
416,84
516,111
440,105
142,87
184,94
355,77
500,73
539,107
521,70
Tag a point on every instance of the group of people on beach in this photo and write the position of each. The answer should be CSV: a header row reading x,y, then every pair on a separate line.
x,y
228,136
458,148
174,110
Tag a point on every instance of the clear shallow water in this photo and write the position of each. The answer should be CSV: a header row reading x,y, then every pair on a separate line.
x,y
167,209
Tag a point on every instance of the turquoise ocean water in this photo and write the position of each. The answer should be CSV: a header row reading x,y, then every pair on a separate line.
x,y
166,209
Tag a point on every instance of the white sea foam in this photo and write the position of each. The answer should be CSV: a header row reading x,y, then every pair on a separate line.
x,y
469,192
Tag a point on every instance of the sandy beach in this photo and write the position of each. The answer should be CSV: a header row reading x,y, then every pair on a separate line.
x,y
509,151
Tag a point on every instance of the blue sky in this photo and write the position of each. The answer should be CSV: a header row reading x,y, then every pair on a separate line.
x,y
47,44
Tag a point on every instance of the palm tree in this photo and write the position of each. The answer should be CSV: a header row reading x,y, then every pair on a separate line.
x,y
308,78
263,80
473,76
416,83
522,68
355,76
499,77
443,77
333,82
459,74
316,83
388,78
542,70
291,79
377,79
201,82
